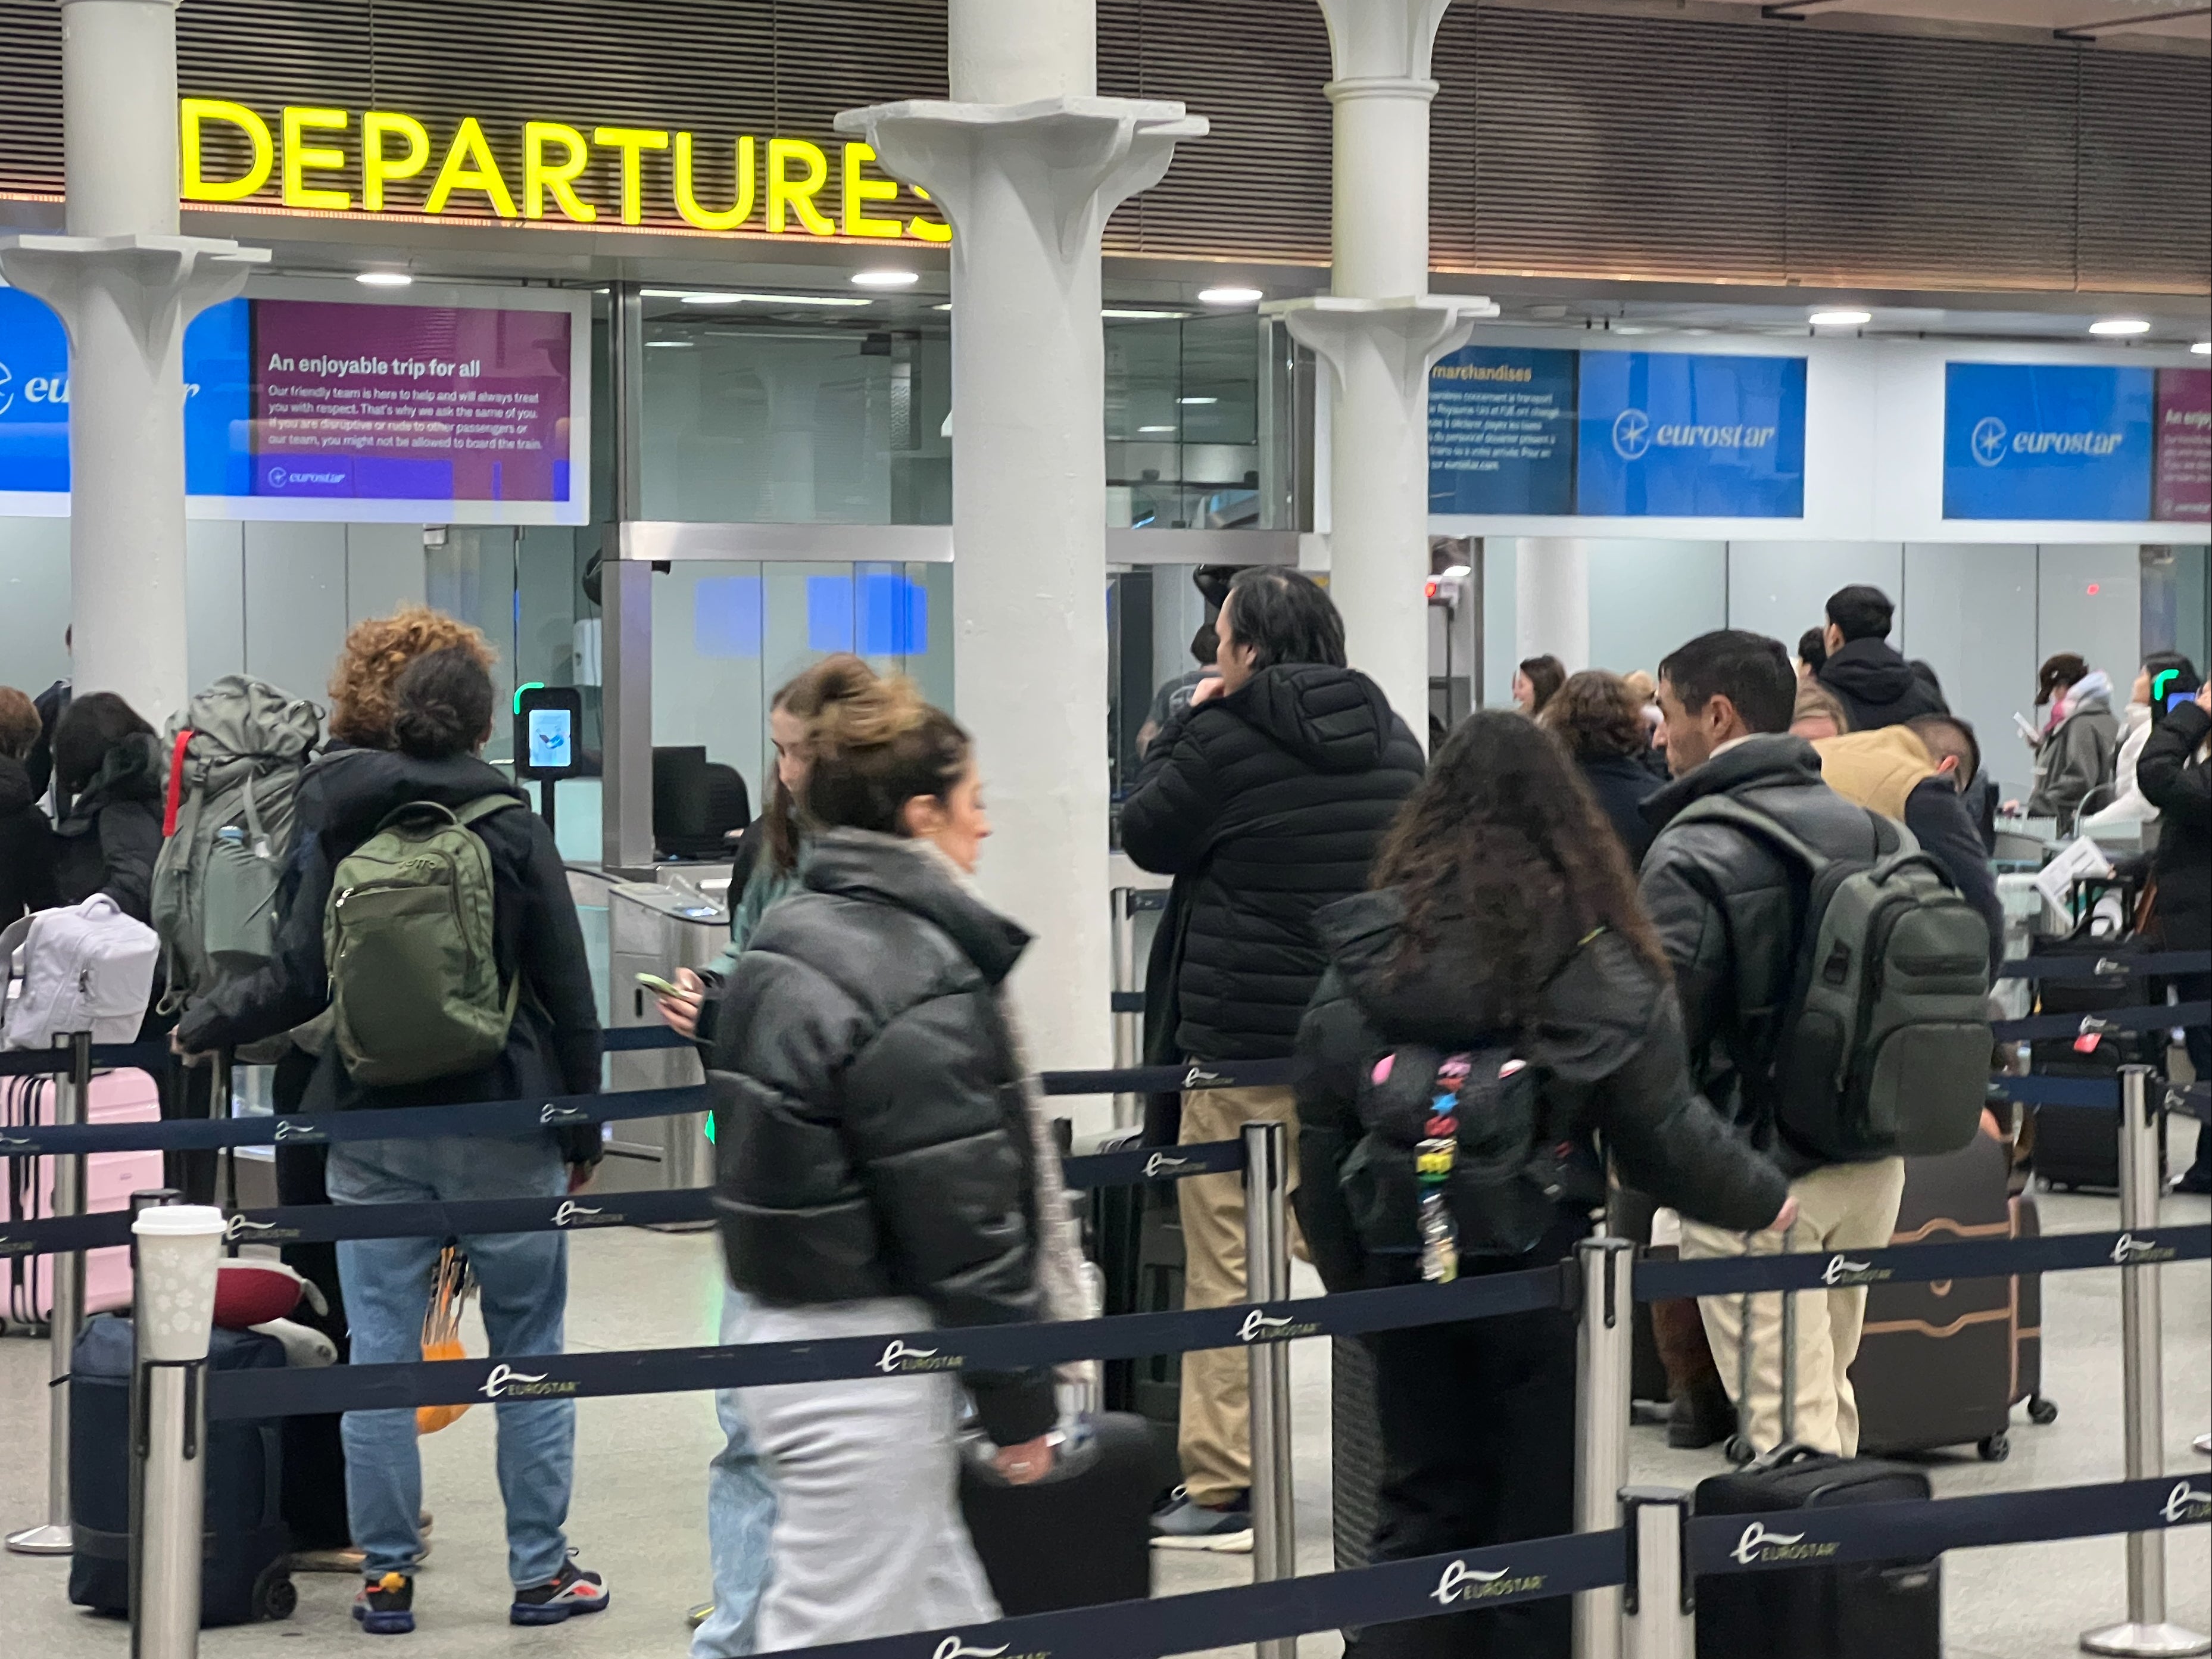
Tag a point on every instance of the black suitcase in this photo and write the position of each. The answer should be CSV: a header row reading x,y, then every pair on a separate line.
x,y
1936,1361
2078,1146
1080,1536
1868,1610
2027,1320
247,1544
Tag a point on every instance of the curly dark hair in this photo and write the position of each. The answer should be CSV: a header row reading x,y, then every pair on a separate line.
x,y
1502,837
1595,714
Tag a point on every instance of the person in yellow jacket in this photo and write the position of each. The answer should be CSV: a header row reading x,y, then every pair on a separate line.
x,y
1913,773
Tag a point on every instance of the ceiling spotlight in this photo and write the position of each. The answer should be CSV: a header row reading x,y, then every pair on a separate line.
x,y
2203,347
1198,400
730,297
1230,295
2119,325
1132,315
886,278
384,278
1840,319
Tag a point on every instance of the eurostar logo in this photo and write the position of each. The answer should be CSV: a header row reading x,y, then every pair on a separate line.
x,y
1199,1078
570,1213
505,1382
897,1358
552,1113
2184,1504
1632,435
239,1227
2127,1250
1160,1163
7,388
954,1648
1842,1270
1458,1577
1988,440
286,1130
1758,1546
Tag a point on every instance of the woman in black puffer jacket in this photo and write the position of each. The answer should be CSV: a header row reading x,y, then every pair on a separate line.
x,y
882,1170
1503,923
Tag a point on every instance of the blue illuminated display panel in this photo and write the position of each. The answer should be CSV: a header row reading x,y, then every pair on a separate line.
x,y
2042,440
1670,434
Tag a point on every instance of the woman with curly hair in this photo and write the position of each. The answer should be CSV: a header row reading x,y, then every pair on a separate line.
x,y
1600,722
1503,922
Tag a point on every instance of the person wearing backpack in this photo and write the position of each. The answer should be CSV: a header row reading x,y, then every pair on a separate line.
x,y
488,997
1730,887
27,839
1503,931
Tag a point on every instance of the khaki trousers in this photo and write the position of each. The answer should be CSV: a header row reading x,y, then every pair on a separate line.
x,y
1840,1208
1215,1437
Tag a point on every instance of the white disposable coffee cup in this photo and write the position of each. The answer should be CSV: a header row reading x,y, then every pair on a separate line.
x,y
179,1247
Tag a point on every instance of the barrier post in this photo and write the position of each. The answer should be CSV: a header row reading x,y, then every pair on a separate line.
x,y
1604,1357
1267,1279
64,1313
1656,1603
177,1248
2145,1634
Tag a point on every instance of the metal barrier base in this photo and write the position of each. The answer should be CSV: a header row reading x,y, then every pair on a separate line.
x,y
2145,1642
41,1540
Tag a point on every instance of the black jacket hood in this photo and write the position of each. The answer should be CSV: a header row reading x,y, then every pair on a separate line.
x,y
1335,719
1869,671
891,870
371,782
1772,760
16,790
1444,997
134,769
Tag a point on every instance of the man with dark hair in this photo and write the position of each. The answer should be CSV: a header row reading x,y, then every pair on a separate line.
x,y
1266,798
1729,908
1812,652
1876,684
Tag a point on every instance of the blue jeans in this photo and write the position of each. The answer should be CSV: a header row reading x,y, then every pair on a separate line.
x,y
524,1280
740,1516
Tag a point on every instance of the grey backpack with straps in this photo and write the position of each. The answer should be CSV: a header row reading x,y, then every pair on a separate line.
x,y
237,752
1885,1043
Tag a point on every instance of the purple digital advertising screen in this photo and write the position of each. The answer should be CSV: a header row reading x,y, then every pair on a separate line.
x,y
424,405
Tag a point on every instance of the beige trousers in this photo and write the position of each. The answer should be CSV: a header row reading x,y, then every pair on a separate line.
x,y
1840,1208
1215,1440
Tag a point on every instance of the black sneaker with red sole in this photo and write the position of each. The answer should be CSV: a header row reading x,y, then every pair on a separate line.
x,y
574,1592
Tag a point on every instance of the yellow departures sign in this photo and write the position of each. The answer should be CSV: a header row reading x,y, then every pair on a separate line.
x,y
324,161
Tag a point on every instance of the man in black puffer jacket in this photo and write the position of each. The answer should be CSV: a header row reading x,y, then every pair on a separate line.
x,y
2175,776
1876,684
1265,800
1730,911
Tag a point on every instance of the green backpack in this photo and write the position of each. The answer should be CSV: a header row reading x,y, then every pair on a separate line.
x,y
408,937
1885,1047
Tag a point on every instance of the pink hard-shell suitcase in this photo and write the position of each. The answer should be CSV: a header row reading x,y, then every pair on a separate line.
x,y
110,1178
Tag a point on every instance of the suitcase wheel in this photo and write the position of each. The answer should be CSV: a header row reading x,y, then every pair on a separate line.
x,y
1996,1448
2040,1411
275,1596
1738,1450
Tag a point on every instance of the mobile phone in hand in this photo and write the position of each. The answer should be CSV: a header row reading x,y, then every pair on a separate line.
x,y
659,987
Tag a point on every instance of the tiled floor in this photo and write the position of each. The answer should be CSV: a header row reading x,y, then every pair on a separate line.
x,y
638,1505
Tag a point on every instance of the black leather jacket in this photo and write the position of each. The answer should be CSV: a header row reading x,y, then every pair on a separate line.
x,y
1730,909
871,1125
1606,1039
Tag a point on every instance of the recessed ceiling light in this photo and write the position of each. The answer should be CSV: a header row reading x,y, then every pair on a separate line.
x,y
2119,325
947,305
722,297
1155,428
668,345
1124,313
1840,319
384,278
886,278
1230,295
1198,400
2203,347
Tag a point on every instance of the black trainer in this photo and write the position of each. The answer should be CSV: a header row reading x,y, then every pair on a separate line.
x,y
386,1605
574,1592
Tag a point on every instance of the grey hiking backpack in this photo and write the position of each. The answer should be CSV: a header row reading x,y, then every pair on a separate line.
x,y
1885,1045
237,752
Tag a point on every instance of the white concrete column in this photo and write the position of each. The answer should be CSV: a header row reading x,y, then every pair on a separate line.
x,y
126,283
1026,165
1380,331
1550,600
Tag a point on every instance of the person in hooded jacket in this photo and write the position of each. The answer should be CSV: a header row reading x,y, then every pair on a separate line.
x,y
1265,800
1873,681
2175,774
442,714
1503,919
109,764
885,1167
2080,745
27,839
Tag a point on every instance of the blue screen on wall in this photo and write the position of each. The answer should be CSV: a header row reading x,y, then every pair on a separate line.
x,y
34,398
1502,431
1666,434
2038,441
